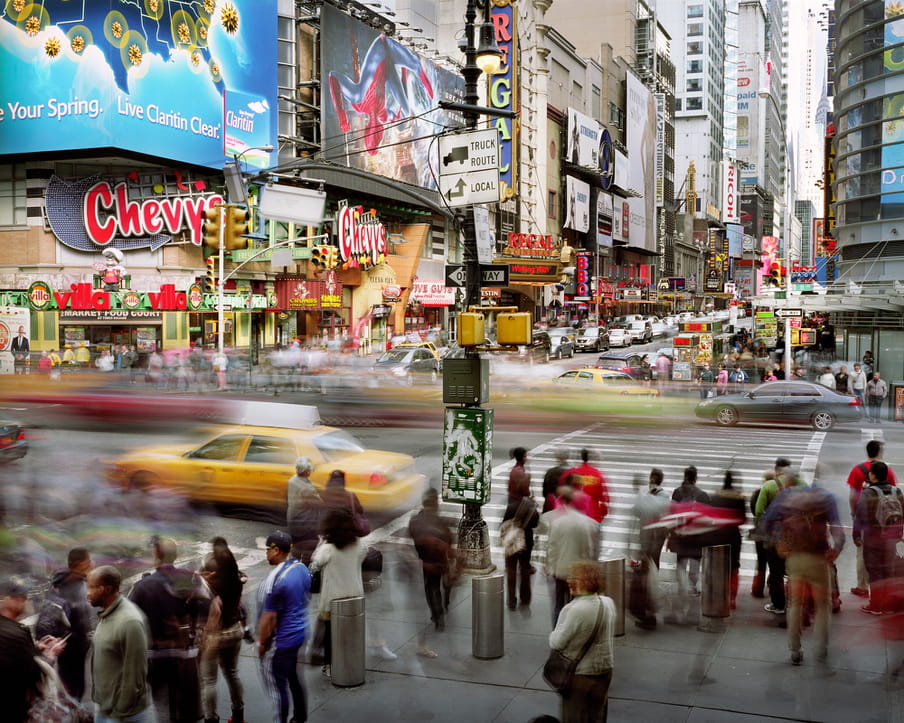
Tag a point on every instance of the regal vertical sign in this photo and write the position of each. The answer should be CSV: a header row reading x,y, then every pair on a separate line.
x,y
503,94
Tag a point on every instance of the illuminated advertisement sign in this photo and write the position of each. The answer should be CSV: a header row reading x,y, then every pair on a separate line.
x,y
362,237
157,78
730,211
660,147
380,102
503,94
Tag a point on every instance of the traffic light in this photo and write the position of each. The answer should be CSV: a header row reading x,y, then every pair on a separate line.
x,y
236,227
210,229
470,329
332,257
209,282
775,275
320,257
513,329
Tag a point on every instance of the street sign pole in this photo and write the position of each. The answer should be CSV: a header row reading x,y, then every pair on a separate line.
x,y
788,348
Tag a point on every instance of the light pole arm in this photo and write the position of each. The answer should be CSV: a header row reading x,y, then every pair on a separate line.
x,y
278,244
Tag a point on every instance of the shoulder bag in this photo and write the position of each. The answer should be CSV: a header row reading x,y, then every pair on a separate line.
x,y
559,669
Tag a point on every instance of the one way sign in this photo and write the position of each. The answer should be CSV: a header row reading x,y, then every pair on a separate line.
x,y
494,275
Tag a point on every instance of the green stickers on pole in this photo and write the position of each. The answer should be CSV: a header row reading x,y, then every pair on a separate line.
x,y
467,454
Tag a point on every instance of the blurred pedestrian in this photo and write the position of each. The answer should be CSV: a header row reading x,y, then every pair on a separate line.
x,y
878,527
842,379
338,557
588,480
518,523
175,602
222,640
800,521
876,392
119,653
283,627
759,537
827,379
303,510
649,505
336,496
722,381
688,547
570,537
662,366
869,364
552,479
858,383
519,477
588,618
646,371
857,479
732,502
433,543
705,380
67,612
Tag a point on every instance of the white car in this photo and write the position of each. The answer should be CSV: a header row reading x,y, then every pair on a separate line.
x,y
662,329
619,336
641,332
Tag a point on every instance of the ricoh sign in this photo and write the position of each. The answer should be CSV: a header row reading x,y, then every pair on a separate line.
x,y
730,193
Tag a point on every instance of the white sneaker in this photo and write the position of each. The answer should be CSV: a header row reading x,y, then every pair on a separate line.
x,y
385,653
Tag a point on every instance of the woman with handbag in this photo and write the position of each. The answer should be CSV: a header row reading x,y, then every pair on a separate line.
x,y
517,534
580,663
224,631
338,557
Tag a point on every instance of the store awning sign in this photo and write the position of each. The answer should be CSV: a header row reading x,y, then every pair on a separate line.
x,y
432,293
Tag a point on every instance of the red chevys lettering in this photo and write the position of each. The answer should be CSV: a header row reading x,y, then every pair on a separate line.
x,y
362,238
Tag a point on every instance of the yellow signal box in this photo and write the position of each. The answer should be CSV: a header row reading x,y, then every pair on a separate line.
x,y
470,329
513,329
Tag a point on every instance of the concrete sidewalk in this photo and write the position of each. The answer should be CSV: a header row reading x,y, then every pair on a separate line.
x,y
673,673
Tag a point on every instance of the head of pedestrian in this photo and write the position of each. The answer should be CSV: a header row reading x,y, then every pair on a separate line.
x,y
782,464
13,597
856,367
519,454
585,455
690,475
875,376
278,545
878,473
303,466
79,561
561,456
656,477
584,578
566,494
164,551
103,586
873,448
337,479
430,500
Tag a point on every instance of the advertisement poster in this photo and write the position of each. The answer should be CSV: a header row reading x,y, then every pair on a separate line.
x,y
641,130
15,335
583,142
577,210
380,110
181,81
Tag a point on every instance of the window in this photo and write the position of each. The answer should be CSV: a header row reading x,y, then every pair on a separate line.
x,y
336,445
271,450
694,85
694,30
552,205
222,448
694,104
695,48
695,11
801,390
694,66
12,194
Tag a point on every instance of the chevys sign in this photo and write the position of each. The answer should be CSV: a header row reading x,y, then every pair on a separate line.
x,y
362,238
110,216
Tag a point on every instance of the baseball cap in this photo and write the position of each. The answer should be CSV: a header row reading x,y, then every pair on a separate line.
x,y
12,587
279,539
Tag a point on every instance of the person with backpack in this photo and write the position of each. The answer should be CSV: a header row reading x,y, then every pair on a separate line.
x,y
800,521
878,527
857,479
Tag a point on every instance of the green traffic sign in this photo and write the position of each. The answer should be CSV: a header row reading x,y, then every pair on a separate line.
x,y
467,454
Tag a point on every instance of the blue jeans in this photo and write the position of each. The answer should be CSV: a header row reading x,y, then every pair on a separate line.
x,y
144,717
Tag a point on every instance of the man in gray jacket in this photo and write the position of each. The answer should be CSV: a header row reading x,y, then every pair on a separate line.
x,y
876,392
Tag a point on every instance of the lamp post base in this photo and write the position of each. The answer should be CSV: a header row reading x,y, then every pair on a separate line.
x,y
474,541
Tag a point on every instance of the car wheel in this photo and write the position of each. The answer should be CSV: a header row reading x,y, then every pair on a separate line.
x,y
822,421
726,416
546,357
571,355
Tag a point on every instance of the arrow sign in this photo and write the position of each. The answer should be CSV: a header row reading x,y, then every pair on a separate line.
x,y
456,276
459,190
493,275
789,313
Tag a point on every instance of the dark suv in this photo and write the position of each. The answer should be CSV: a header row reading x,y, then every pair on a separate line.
x,y
540,348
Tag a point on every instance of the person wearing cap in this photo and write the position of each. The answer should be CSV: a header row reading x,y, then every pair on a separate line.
x,y
783,478
304,510
283,627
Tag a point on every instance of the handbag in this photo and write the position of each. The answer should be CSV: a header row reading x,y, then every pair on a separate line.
x,y
559,669
512,538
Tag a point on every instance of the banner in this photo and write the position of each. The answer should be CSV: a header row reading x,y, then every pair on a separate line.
x,y
577,209
730,203
641,141
583,141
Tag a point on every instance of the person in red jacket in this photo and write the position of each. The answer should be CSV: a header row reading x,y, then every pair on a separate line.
x,y
592,483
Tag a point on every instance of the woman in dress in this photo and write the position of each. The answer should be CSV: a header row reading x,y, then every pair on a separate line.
x,y
587,699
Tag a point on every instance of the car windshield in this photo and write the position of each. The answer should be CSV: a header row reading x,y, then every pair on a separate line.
x,y
559,332
394,355
591,331
337,444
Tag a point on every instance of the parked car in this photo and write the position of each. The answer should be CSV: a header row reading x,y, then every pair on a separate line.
x,y
562,342
539,350
784,402
619,336
408,361
592,338
662,329
628,363
641,332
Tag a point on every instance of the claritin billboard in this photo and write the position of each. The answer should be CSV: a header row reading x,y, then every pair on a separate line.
x,y
380,102
182,81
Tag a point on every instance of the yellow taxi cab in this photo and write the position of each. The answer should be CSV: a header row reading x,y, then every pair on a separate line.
x,y
249,462
602,380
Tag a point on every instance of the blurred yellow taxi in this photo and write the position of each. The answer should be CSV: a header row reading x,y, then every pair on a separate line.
x,y
602,380
249,463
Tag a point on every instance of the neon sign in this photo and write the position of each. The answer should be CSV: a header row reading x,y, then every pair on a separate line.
x,y
504,94
362,238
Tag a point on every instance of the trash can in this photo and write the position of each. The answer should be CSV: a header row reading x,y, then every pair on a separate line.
x,y
487,616
716,599
614,587
347,638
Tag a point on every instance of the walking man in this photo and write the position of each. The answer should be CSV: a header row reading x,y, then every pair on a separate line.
x,y
857,479
705,379
688,548
119,653
800,520
283,628
876,391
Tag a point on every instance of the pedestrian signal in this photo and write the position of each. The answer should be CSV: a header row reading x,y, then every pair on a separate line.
x,y
513,329
470,329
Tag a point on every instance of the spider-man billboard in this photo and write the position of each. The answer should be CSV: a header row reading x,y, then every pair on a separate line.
x,y
380,109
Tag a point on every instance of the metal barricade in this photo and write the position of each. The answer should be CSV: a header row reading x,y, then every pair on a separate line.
x,y
487,616
347,638
614,587
716,593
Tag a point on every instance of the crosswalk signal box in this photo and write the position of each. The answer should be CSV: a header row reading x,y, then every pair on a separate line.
x,y
471,329
513,329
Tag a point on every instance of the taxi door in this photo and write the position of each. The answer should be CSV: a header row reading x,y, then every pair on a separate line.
x,y
210,464
263,476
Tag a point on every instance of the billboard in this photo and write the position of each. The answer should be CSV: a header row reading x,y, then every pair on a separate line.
x,y
641,140
730,201
577,209
380,110
582,146
503,94
189,82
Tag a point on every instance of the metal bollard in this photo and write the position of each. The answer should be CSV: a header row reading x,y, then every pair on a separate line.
x,y
614,587
716,602
347,638
487,616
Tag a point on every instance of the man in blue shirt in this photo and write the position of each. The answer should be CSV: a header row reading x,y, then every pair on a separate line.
x,y
283,628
